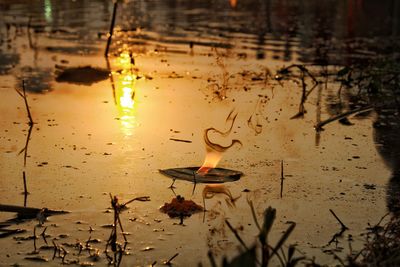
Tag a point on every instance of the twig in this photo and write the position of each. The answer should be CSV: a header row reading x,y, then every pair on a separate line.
x,y
318,111
25,187
235,232
253,212
282,178
43,235
112,240
342,230
144,198
23,95
25,199
168,262
194,182
303,72
25,149
122,229
34,238
111,28
55,249
337,218
30,122
180,140
65,252
319,126
212,259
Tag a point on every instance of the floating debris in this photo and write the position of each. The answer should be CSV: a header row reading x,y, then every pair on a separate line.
x,y
86,263
147,249
180,140
369,186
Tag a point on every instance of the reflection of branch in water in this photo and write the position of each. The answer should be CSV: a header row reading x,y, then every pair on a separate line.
x,y
31,46
111,80
304,96
303,73
30,123
221,90
25,149
25,188
318,112
258,111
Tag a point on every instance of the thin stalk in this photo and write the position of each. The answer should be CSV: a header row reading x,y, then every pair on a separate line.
x,y
111,29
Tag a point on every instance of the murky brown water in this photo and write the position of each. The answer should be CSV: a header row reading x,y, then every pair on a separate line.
x,y
194,61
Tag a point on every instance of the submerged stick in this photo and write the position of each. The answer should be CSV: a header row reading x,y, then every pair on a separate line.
x,y
111,29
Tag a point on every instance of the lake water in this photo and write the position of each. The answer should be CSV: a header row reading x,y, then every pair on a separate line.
x,y
177,69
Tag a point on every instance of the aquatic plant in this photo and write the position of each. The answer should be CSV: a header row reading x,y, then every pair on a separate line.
x,y
267,252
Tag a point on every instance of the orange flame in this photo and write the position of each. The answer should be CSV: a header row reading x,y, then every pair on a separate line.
x,y
210,162
213,150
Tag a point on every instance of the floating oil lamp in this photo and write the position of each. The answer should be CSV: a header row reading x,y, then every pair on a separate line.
x,y
208,172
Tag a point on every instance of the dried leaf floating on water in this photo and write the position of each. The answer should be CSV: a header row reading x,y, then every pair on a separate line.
x,y
179,207
214,175
86,75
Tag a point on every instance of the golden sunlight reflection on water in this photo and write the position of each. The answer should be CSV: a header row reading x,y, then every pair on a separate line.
x,y
125,93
